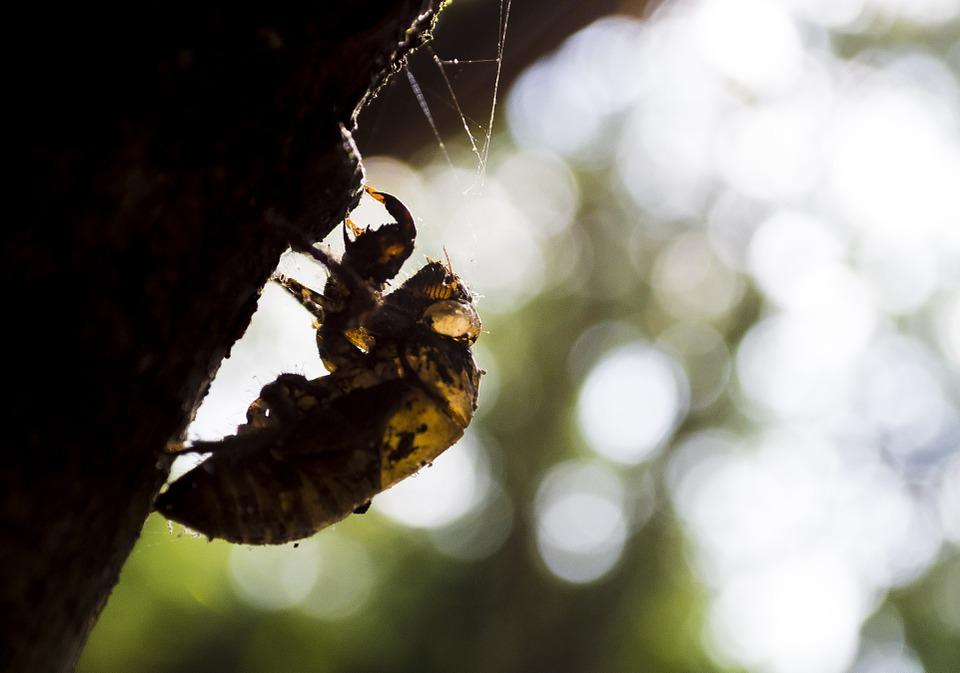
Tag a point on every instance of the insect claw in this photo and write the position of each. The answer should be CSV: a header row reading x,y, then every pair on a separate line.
x,y
374,193
352,226
397,210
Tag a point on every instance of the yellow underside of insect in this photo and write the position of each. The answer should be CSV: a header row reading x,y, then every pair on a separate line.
x,y
456,387
415,435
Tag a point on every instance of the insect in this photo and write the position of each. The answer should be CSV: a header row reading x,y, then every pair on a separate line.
x,y
402,388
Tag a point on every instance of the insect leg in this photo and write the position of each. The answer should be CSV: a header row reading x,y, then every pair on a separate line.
x,y
311,300
362,296
238,444
279,406
289,397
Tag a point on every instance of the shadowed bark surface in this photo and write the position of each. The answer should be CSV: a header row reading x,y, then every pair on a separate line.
x,y
153,146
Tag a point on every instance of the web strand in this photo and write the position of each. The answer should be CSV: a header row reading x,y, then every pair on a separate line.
x,y
457,61
482,153
504,18
422,100
456,103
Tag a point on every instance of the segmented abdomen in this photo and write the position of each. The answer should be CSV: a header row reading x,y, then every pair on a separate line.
x,y
262,499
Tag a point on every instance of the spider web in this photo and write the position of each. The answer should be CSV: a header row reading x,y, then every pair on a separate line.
x,y
479,142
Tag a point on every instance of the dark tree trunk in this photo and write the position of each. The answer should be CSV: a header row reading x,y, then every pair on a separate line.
x,y
153,147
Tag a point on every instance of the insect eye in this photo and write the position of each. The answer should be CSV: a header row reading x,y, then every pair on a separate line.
x,y
455,319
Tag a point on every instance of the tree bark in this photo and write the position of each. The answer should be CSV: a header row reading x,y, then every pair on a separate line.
x,y
156,147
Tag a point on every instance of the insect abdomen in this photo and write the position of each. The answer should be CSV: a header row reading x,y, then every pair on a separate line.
x,y
261,499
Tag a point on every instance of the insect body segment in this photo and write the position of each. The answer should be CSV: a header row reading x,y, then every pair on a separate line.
x,y
402,388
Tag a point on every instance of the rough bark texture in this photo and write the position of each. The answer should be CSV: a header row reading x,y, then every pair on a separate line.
x,y
155,145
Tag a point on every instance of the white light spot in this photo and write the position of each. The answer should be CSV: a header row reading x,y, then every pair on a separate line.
x,y
798,363
828,13
345,578
388,174
888,537
664,156
901,269
274,578
691,282
664,152
799,537
480,533
542,186
900,396
631,402
439,495
747,507
562,102
890,657
947,326
798,616
894,162
733,33
949,502
785,249
773,152
581,525
731,223
703,352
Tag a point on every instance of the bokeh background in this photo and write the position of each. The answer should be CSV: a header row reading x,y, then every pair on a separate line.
x,y
717,244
